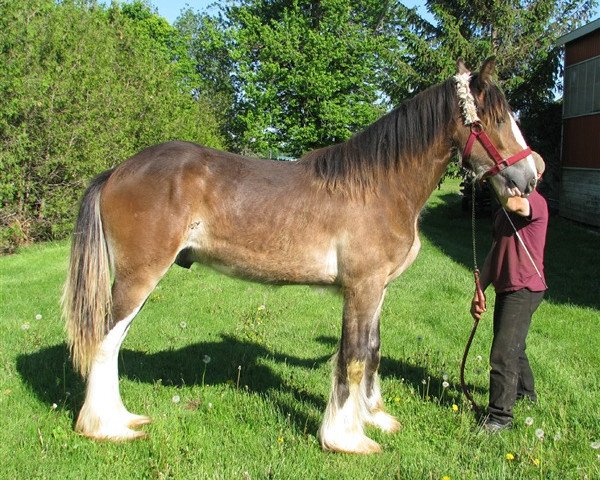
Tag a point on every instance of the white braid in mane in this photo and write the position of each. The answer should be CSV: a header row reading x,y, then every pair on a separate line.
x,y
466,100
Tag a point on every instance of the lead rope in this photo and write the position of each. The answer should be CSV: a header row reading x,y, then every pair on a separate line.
x,y
480,298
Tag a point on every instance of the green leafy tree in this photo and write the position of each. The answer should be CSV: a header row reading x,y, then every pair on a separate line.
x,y
82,87
300,74
521,34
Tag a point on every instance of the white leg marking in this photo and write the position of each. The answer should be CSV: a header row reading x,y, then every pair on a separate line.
x,y
342,428
103,414
376,415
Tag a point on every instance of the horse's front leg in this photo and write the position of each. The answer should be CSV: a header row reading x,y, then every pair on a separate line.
x,y
376,414
355,397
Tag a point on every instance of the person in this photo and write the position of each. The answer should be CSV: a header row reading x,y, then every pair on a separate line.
x,y
517,273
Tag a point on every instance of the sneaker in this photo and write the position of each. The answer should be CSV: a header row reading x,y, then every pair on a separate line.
x,y
493,426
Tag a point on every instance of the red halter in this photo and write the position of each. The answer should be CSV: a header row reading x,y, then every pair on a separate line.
x,y
477,133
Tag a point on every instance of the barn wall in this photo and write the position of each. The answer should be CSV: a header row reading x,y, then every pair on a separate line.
x,y
580,195
583,48
581,142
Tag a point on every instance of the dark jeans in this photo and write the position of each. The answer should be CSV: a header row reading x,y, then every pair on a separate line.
x,y
511,375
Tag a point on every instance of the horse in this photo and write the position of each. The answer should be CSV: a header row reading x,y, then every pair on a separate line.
x,y
344,215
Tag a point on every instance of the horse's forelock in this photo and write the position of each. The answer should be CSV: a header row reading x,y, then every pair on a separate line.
x,y
490,99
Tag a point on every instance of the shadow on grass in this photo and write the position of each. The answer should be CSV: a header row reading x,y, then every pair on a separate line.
x,y
49,374
571,261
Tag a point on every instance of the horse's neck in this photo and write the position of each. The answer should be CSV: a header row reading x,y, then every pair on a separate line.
x,y
417,178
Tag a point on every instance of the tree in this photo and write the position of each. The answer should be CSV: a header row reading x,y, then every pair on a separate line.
x,y
82,88
521,34
301,74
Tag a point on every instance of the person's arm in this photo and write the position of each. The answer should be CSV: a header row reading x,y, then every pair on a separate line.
x,y
478,304
518,205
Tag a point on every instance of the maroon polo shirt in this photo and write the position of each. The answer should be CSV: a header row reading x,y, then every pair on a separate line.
x,y
510,268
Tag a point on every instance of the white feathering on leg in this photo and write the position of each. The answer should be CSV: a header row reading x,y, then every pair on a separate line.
x,y
103,415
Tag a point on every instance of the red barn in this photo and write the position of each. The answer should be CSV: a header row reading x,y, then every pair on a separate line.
x,y
580,184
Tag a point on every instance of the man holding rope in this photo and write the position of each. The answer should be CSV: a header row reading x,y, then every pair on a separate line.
x,y
515,266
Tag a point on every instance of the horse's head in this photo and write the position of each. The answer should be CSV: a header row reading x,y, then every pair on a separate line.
x,y
491,141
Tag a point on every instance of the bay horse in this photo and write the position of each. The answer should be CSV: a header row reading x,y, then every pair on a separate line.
x,y
344,215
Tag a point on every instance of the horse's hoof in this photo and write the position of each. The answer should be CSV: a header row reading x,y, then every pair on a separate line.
x,y
119,428
360,444
121,434
384,422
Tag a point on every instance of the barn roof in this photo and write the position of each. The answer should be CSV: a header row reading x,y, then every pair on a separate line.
x,y
580,32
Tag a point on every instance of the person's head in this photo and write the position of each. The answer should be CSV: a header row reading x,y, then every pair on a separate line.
x,y
540,166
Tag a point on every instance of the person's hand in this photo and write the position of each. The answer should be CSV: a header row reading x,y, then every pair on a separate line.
x,y
478,305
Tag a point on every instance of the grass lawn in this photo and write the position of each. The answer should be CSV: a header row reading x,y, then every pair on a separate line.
x,y
253,410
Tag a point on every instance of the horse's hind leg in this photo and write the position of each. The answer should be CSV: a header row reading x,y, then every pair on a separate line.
x,y
350,404
103,415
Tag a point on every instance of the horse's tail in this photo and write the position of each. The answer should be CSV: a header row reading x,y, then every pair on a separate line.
x,y
87,300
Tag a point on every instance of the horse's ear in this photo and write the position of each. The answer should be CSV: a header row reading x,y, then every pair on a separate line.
x,y
462,68
487,70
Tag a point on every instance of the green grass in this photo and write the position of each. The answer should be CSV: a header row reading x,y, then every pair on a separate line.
x,y
254,409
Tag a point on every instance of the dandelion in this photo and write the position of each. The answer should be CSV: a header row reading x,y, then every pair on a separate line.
x,y
595,445
510,457
536,462
539,433
183,325
529,421
397,399
38,316
446,477
25,326
176,399
454,407
206,359
445,384
280,440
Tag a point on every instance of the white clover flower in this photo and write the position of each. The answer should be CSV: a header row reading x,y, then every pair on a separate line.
x,y
54,406
445,384
539,433
595,445
183,325
445,377
206,359
424,382
38,316
25,326
210,405
176,399
529,421
261,308
557,437
479,358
